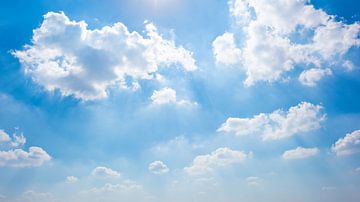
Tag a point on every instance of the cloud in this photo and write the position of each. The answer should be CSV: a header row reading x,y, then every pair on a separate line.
x,y
279,35
158,168
16,141
357,169
168,96
312,76
125,191
164,96
104,172
4,137
304,117
20,158
348,145
253,181
71,179
127,185
300,153
225,50
222,157
35,157
32,196
67,56
328,188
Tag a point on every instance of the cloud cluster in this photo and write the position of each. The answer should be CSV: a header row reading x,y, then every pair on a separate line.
x,y
67,56
15,156
222,157
348,145
282,34
300,153
302,118
16,141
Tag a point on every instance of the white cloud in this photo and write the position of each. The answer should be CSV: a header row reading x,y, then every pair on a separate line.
x,y
225,50
158,167
300,153
222,157
302,118
18,140
4,137
18,157
164,96
36,156
357,170
71,179
312,76
104,172
282,34
67,56
348,145
253,181
168,96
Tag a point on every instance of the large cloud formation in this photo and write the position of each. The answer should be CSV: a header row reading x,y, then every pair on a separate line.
x,y
279,35
67,56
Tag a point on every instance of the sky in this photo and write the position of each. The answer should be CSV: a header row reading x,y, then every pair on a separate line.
x,y
179,100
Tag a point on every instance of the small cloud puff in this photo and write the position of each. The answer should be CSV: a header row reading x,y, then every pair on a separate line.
x,y
158,168
104,172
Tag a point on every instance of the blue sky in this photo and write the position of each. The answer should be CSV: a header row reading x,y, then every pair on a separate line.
x,y
179,100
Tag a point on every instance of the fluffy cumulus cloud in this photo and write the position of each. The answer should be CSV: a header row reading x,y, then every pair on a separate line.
x,y
71,179
282,34
222,157
348,145
225,50
158,168
300,153
104,172
279,124
168,96
67,56
312,76
15,156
